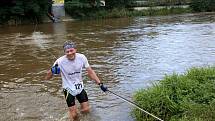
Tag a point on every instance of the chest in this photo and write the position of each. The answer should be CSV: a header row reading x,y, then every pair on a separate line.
x,y
72,66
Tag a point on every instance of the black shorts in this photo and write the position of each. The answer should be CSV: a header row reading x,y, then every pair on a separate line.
x,y
70,99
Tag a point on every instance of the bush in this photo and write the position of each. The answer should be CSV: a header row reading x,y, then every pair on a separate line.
x,y
118,3
79,9
180,97
23,9
203,5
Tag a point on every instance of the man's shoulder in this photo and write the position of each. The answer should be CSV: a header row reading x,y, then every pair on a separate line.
x,y
80,55
61,58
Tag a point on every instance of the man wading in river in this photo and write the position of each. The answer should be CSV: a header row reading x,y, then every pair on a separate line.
x,y
70,68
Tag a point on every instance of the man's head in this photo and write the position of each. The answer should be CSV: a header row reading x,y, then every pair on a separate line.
x,y
69,50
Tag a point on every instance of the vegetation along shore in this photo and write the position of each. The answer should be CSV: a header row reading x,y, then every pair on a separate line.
x,y
186,97
15,12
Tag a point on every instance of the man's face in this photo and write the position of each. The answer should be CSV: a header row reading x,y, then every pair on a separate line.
x,y
70,53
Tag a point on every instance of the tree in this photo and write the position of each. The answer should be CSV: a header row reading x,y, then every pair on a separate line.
x,y
22,10
118,3
203,5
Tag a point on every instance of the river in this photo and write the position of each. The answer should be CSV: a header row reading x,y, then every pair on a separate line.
x,y
127,54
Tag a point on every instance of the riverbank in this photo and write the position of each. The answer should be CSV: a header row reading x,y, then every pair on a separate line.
x,y
87,14
101,13
180,97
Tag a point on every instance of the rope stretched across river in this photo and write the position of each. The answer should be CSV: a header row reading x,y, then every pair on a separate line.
x,y
134,104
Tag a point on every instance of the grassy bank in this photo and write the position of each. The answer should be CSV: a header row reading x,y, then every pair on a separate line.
x,y
98,13
187,97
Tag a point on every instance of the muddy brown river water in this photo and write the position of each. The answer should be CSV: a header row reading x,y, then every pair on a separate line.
x,y
128,54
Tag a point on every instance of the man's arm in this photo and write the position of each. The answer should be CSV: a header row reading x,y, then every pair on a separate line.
x,y
48,75
92,75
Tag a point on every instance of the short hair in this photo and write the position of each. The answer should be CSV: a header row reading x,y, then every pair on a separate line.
x,y
69,44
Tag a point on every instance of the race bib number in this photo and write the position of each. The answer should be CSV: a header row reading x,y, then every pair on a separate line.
x,y
78,86
76,89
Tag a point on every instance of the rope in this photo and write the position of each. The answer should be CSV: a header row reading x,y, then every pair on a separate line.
x,y
126,100
134,104
54,57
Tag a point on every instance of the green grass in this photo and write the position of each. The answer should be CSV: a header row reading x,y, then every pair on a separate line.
x,y
101,13
186,97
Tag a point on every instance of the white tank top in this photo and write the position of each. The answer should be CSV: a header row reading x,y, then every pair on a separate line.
x,y
71,72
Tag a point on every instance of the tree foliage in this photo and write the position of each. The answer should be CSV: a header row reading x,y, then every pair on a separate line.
x,y
147,3
22,9
203,5
118,3
36,9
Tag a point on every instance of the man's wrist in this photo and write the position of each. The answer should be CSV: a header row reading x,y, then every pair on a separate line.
x,y
100,83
